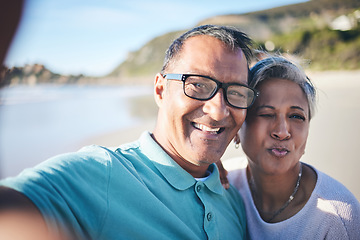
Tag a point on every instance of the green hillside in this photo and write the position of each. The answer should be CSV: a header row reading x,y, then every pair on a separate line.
x,y
326,49
304,29
148,59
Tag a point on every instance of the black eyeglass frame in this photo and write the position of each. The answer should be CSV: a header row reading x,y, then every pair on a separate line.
x,y
224,86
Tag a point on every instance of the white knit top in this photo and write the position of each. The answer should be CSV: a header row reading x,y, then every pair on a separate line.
x,y
332,212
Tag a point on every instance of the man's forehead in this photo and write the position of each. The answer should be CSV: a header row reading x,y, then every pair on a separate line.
x,y
207,55
201,40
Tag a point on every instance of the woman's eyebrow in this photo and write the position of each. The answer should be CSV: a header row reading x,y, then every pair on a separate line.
x,y
297,107
265,106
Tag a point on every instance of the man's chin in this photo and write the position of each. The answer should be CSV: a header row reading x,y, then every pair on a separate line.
x,y
205,152
208,158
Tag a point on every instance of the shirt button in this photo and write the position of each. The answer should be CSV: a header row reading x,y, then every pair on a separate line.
x,y
209,216
198,188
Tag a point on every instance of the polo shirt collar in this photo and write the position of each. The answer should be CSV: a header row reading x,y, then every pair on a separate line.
x,y
172,172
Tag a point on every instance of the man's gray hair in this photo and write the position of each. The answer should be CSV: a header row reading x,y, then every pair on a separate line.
x,y
230,36
280,67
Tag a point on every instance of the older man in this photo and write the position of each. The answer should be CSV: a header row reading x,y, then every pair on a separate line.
x,y
165,185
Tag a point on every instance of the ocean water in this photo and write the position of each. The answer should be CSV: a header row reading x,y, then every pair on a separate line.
x,y
39,122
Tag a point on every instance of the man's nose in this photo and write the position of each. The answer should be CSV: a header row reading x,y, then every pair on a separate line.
x,y
216,107
281,129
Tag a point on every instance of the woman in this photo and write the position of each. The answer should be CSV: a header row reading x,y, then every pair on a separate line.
x,y
285,198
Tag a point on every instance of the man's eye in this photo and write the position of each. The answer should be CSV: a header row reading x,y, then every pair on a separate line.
x,y
199,85
236,94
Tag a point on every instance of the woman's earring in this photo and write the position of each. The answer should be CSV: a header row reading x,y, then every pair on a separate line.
x,y
237,140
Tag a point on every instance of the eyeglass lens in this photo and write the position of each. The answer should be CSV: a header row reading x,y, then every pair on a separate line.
x,y
202,88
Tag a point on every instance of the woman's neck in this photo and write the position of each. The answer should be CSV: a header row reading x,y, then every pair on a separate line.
x,y
273,194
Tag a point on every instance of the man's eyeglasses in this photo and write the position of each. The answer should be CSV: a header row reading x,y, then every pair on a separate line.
x,y
201,87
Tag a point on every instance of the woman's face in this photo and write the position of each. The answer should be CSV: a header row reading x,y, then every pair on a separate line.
x,y
276,128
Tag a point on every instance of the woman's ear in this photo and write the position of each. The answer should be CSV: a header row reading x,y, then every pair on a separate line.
x,y
237,140
159,88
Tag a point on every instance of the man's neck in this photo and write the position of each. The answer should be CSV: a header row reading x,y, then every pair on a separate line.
x,y
194,170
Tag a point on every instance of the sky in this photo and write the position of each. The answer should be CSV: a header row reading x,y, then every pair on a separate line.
x,y
92,37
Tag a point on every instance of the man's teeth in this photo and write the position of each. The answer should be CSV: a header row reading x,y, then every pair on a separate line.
x,y
206,128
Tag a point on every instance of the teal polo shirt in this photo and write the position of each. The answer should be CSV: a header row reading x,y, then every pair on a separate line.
x,y
135,191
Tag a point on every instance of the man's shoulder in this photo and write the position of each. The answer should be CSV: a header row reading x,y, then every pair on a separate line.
x,y
90,160
86,156
98,155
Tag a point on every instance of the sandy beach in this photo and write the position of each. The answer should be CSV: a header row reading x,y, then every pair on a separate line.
x,y
334,131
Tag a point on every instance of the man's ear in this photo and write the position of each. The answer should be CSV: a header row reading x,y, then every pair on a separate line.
x,y
159,88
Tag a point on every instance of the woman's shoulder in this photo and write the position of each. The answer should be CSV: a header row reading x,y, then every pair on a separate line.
x,y
332,196
331,188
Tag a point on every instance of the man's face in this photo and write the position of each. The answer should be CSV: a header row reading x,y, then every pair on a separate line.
x,y
196,133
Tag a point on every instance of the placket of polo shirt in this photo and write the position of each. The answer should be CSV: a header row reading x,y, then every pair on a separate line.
x,y
203,194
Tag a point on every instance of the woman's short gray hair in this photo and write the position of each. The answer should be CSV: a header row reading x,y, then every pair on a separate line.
x,y
280,67
230,36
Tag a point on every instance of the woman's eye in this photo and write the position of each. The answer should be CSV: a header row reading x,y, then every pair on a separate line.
x,y
298,116
266,115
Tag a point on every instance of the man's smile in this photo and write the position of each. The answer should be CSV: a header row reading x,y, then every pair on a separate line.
x,y
204,128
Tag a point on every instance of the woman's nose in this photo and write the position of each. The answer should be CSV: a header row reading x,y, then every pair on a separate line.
x,y
281,129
